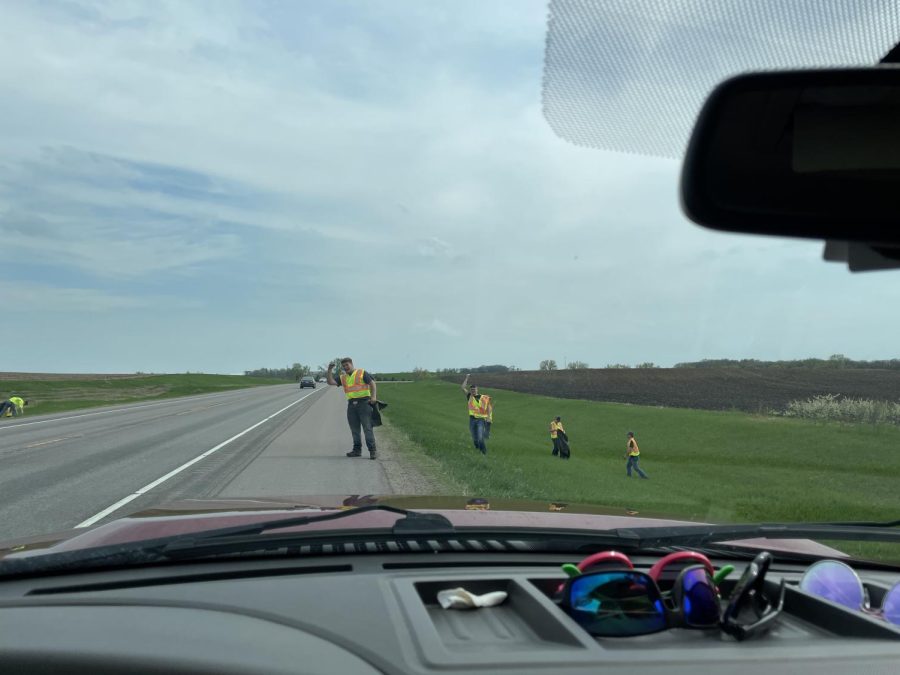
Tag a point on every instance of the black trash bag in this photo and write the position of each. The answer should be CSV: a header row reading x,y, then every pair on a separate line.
x,y
564,451
377,407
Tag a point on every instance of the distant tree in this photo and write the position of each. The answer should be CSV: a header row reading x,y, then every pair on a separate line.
x,y
617,365
298,370
497,368
548,364
838,361
577,365
420,373
647,364
294,372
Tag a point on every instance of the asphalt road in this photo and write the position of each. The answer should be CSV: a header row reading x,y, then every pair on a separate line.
x,y
79,468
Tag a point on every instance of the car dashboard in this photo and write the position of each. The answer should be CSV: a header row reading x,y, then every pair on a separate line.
x,y
377,612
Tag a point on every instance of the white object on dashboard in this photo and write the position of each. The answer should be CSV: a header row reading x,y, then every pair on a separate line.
x,y
460,598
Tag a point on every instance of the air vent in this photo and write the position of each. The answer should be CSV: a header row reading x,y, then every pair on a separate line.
x,y
419,546
476,564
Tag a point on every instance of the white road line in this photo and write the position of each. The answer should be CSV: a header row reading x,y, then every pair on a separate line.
x,y
108,412
149,486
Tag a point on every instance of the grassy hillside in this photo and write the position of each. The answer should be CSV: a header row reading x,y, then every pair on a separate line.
x,y
57,395
717,466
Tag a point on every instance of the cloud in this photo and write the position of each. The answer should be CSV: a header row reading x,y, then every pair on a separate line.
x,y
278,166
109,217
436,326
29,298
433,247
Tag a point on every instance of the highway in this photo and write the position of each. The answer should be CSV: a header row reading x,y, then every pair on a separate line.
x,y
80,468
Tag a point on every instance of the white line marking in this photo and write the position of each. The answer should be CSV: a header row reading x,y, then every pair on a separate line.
x,y
149,486
118,410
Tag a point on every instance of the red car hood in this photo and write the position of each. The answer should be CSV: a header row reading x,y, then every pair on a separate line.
x,y
189,516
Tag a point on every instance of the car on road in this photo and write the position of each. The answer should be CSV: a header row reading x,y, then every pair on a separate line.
x,y
307,381
322,380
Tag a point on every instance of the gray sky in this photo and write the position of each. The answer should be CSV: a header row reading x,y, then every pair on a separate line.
x,y
223,186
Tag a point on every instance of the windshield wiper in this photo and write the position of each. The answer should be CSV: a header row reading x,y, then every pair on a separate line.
x,y
178,546
411,522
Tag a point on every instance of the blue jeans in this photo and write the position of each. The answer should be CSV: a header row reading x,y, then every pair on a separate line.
x,y
633,462
476,428
359,414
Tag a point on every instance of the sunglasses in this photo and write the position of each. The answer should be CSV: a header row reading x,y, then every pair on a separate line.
x,y
624,603
751,609
664,572
838,582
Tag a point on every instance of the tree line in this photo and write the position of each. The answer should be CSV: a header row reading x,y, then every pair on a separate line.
x,y
833,361
292,373
297,370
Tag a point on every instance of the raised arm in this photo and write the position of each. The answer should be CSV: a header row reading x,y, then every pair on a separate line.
x,y
465,383
329,374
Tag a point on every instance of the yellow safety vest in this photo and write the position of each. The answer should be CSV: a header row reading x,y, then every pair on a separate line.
x,y
477,408
633,449
553,428
354,384
487,407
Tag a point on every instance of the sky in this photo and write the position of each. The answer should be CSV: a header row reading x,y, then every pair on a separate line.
x,y
222,186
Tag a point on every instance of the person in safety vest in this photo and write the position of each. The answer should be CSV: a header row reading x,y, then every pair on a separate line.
x,y
633,452
560,439
555,427
14,405
480,410
359,388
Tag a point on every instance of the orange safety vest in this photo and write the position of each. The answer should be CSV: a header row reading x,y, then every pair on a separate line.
x,y
477,408
354,384
488,407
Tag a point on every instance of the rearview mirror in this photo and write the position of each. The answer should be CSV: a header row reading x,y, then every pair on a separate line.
x,y
811,154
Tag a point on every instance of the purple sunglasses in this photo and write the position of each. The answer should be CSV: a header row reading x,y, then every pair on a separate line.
x,y
838,582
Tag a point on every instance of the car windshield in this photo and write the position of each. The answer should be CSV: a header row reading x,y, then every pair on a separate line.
x,y
256,253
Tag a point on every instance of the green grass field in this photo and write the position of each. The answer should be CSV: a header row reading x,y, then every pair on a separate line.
x,y
50,396
711,466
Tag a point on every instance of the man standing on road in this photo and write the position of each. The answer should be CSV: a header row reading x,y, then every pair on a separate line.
x,y
15,405
632,452
478,414
359,388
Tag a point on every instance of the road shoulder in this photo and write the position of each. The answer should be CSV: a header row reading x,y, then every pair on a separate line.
x,y
408,469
